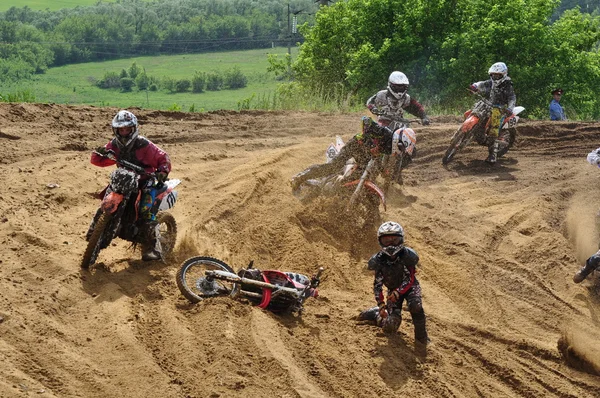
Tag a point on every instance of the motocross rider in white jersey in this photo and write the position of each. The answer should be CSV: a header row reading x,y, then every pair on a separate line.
x,y
392,102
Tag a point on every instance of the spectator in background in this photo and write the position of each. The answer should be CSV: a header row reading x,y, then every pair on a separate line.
x,y
556,111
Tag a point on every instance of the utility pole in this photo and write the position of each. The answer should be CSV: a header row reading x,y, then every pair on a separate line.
x,y
289,33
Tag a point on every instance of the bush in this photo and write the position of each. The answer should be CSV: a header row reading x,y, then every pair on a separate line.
x,y
127,84
214,81
110,80
168,83
183,85
198,82
153,87
235,79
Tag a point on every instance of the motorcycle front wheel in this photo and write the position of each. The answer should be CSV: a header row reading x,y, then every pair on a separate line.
x,y
98,240
193,284
455,145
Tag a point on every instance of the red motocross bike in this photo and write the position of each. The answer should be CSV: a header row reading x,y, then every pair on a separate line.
x,y
118,213
200,278
477,125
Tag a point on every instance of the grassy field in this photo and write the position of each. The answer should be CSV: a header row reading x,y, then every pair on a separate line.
x,y
47,4
71,84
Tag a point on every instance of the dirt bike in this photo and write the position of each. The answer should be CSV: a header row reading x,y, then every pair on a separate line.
x,y
355,190
392,165
477,125
200,278
118,213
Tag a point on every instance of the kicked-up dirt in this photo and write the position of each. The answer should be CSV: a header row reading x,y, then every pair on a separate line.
x,y
498,247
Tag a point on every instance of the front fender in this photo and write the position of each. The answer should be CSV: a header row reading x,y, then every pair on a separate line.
x,y
111,202
468,124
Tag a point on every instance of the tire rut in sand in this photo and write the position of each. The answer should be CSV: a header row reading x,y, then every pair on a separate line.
x,y
266,335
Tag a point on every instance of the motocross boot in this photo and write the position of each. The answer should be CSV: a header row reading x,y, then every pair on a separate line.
x,y
419,321
590,265
493,153
151,249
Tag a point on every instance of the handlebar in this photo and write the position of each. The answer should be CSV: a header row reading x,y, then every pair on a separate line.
x,y
124,163
485,100
395,118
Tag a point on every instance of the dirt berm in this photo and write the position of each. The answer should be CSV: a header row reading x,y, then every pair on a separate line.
x,y
498,248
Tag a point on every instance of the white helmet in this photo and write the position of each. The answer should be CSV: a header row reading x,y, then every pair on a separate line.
x,y
498,72
397,84
391,228
125,119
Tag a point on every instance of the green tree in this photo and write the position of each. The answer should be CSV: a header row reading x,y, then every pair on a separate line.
x,y
134,70
142,81
198,82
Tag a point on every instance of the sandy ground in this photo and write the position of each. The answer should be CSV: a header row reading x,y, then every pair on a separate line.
x,y
498,249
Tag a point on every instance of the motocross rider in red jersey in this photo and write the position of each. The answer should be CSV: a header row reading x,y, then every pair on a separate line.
x,y
499,90
372,141
394,267
593,262
130,146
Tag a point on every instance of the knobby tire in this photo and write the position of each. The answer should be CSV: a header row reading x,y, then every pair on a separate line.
x,y
92,250
190,292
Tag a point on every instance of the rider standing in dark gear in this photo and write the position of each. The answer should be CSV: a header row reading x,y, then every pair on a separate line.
x,y
372,141
499,90
130,146
394,268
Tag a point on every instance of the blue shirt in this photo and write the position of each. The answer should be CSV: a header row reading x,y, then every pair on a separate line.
x,y
556,111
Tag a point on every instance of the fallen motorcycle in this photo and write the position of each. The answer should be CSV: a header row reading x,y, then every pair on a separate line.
x,y
200,278
477,125
118,213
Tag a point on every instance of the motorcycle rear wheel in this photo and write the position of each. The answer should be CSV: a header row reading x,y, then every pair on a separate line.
x,y
194,285
96,239
168,232
455,145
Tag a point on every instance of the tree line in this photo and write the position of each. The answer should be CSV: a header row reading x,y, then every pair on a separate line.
x,y
444,45
32,41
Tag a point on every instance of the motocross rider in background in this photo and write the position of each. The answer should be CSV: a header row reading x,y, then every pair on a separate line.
x,y
392,102
499,90
130,146
372,141
394,267
593,262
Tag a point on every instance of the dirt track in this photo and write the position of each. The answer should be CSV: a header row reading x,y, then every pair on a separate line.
x,y
498,249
